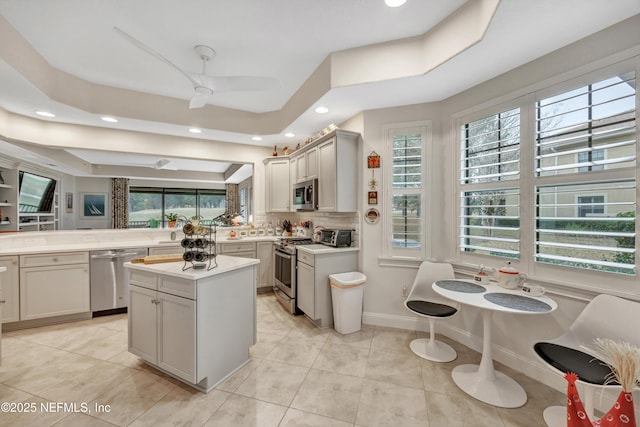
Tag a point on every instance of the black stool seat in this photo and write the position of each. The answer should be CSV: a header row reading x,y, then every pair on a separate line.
x,y
588,368
431,308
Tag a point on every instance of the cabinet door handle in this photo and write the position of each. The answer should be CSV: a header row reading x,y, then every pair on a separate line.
x,y
153,301
157,301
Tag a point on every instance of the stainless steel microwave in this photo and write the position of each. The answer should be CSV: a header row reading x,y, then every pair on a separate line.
x,y
305,195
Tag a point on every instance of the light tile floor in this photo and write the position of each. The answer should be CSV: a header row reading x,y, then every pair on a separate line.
x,y
298,376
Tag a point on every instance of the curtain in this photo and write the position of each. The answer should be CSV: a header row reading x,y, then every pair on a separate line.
x,y
119,202
233,205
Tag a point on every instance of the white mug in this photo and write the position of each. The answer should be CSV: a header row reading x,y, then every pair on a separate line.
x,y
533,290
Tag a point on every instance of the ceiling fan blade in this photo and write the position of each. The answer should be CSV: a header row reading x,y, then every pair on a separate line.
x,y
198,100
238,83
153,53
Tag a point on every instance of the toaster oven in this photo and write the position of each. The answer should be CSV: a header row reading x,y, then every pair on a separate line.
x,y
336,238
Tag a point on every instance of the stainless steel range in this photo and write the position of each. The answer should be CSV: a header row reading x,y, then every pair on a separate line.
x,y
284,255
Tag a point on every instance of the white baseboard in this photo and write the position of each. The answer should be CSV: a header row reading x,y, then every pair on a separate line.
x,y
530,367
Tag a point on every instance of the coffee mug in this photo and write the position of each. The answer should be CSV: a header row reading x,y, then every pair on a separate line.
x,y
533,290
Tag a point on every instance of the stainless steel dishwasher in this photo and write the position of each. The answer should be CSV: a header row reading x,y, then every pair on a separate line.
x,y
110,280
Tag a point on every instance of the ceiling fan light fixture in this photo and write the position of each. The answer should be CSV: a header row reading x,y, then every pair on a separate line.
x,y
395,3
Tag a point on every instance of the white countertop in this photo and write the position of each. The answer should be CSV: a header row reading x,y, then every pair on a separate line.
x,y
318,249
24,243
225,264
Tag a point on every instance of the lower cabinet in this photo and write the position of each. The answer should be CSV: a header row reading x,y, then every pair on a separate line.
x,y
162,330
10,295
196,329
306,290
54,285
260,250
314,292
265,269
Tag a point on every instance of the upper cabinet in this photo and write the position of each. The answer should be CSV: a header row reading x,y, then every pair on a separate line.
x,y
277,184
304,165
331,159
337,172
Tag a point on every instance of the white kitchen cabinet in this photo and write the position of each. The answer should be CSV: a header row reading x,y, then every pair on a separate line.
x,y
277,184
143,323
305,296
260,250
195,325
162,330
304,166
54,291
265,269
314,291
54,285
337,172
10,296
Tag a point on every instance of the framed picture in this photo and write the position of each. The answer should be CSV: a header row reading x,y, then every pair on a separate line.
x,y
69,202
372,215
94,205
373,197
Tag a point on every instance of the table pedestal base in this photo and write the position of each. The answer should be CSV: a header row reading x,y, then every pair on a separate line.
x,y
500,390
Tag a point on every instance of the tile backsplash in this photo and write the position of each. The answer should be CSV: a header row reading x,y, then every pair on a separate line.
x,y
348,220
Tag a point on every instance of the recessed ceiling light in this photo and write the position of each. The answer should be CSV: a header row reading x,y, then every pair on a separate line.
x,y
109,119
45,114
395,3
257,138
195,130
289,134
321,110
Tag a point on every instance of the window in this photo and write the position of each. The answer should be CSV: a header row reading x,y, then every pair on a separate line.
x,y
590,206
154,203
593,158
587,220
489,169
405,226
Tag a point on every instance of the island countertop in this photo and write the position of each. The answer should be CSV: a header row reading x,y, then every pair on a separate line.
x,y
225,264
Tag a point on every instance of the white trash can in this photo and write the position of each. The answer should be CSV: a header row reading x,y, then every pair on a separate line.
x,y
346,293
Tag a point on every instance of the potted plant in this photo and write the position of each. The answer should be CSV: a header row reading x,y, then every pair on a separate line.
x,y
153,223
196,219
171,218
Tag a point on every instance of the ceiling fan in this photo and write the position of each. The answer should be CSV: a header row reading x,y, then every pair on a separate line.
x,y
204,85
160,164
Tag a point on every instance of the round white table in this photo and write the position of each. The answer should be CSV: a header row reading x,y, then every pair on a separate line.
x,y
482,381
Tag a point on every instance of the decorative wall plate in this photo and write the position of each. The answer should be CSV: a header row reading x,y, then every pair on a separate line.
x,y
372,215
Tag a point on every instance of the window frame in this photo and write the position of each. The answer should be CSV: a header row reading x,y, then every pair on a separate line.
x,y
561,276
407,254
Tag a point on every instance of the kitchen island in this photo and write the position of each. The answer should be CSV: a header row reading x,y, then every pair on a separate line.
x,y
195,325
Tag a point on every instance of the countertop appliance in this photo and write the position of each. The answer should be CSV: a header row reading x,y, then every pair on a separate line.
x,y
284,255
305,195
335,238
110,280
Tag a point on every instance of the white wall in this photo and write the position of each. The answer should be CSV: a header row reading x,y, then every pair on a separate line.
x,y
513,335
92,186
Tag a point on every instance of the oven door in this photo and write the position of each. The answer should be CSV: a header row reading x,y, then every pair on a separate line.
x,y
285,273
